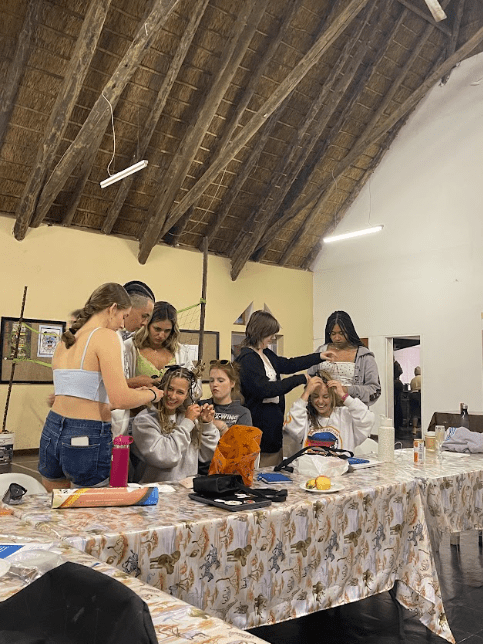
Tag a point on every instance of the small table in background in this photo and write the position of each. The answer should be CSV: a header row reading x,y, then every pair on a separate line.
x,y
452,419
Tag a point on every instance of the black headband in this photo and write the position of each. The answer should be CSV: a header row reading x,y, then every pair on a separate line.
x,y
139,288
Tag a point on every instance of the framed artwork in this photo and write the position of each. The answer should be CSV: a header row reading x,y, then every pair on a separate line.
x,y
211,347
38,340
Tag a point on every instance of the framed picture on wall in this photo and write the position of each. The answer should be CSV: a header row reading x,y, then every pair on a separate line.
x,y
37,342
211,347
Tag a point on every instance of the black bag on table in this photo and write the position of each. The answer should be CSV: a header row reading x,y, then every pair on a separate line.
x,y
215,485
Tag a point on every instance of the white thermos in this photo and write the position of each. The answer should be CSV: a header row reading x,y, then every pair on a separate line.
x,y
385,449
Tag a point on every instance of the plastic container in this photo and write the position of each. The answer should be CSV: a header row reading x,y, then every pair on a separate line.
x,y
430,441
120,461
385,450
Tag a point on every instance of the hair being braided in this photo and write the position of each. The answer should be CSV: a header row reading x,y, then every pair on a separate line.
x,y
100,300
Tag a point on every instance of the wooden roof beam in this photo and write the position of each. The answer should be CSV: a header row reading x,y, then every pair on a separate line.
x,y
290,10
59,118
454,35
100,113
238,41
241,176
393,118
16,68
249,238
388,96
155,114
425,16
281,92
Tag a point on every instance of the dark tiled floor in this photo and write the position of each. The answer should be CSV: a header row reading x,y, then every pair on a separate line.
x,y
375,620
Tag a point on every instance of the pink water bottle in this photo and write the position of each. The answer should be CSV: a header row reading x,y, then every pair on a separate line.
x,y
120,461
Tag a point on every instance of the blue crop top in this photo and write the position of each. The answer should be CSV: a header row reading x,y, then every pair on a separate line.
x,y
80,383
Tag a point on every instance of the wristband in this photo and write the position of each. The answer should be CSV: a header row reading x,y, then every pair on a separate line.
x,y
344,397
155,395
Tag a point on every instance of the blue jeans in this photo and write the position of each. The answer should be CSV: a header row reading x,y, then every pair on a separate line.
x,y
84,466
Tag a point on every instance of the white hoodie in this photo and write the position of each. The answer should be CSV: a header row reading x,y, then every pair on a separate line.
x,y
351,424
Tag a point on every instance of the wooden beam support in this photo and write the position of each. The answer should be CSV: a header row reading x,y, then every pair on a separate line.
x,y
281,92
303,173
392,119
425,16
64,104
245,171
237,43
388,96
16,68
155,114
454,35
100,114
248,240
290,10
436,10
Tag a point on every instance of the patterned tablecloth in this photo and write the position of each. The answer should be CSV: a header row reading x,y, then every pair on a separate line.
x,y
452,490
175,622
264,566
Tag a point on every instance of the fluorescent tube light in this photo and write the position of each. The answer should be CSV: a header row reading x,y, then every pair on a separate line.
x,y
124,173
356,233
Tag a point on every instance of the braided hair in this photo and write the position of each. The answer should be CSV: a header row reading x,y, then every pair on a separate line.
x,y
346,325
167,425
100,300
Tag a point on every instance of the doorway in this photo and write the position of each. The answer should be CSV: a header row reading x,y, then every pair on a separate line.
x,y
407,387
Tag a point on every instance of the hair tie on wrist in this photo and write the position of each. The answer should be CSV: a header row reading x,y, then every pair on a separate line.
x,y
155,395
344,397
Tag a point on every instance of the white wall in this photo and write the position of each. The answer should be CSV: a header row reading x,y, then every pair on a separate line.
x,y
423,274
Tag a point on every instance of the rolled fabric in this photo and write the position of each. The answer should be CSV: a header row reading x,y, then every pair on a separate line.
x,y
92,497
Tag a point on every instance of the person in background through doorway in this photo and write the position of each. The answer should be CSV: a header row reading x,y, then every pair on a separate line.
x,y
415,399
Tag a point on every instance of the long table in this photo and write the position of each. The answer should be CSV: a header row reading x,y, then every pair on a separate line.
x,y
175,622
276,563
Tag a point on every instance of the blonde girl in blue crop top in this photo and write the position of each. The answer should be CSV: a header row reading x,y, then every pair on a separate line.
x,y
89,381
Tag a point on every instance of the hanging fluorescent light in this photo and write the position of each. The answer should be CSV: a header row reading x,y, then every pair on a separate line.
x,y
356,233
124,173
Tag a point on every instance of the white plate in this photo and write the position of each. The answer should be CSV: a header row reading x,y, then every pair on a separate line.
x,y
335,487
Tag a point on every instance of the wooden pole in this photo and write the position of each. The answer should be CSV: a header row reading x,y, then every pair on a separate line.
x,y
203,300
14,364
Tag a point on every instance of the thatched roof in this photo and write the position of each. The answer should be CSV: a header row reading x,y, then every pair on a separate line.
x,y
261,120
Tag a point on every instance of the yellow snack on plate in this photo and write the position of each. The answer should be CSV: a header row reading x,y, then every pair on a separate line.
x,y
310,485
323,483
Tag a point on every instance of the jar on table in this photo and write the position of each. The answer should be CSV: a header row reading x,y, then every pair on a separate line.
x,y
430,441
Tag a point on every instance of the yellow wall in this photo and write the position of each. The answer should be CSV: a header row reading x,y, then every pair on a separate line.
x,y
62,266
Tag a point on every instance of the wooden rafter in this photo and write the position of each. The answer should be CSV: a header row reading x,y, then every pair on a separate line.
x,y
100,114
290,10
17,67
454,35
358,149
284,89
155,113
245,171
241,35
425,16
251,235
384,104
59,118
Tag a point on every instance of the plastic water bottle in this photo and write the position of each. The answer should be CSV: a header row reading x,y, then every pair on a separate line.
x,y
385,440
120,461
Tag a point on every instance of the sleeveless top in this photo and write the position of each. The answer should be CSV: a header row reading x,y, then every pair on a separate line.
x,y
145,367
343,371
81,383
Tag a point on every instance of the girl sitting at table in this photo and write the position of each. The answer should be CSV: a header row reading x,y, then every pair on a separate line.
x,y
326,407
156,346
225,386
76,441
169,441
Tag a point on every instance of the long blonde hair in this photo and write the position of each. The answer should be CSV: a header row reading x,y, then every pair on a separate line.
x,y
314,419
101,299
